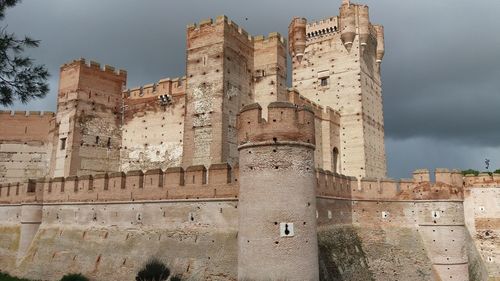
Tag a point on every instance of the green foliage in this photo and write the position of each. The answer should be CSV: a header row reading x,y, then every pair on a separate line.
x,y
154,270
20,78
74,277
497,171
4,4
470,171
7,277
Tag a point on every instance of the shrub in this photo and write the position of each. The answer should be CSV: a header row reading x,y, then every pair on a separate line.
x,y
154,270
176,278
74,277
7,277
470,171
497,171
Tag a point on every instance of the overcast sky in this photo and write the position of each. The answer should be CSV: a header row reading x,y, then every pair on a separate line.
x,y
441,71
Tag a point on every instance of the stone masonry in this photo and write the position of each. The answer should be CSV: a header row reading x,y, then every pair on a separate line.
x,y
225,173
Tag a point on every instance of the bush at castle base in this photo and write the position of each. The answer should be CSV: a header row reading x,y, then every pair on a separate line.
x,y
74,277
154,270
7,277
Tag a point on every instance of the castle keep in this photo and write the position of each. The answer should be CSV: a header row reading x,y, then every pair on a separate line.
x,y
226,173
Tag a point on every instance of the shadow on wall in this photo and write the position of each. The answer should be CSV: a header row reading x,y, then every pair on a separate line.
x,y
341,256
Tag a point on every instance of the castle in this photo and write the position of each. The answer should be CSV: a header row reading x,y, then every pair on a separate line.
x,y
228,174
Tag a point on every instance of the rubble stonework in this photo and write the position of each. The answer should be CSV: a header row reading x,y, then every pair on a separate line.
x,y
227,174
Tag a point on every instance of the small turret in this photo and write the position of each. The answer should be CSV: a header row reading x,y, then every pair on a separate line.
x,y
297,38
347,24
380,42
364,25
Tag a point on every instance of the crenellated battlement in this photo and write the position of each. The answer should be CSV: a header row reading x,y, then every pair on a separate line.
x,y
209,24
90,64
271,38
322,28
16,114
24,127
448,186
231,27
482,180
169,86
285,122
220,181
196,182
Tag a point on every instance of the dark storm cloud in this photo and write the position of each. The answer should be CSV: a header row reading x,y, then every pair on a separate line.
x,y
441,72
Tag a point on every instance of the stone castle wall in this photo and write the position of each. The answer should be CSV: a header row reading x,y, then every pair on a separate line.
x,y
152,129
154,171
482,198
409,228
89,224
25,145
220,181
112,241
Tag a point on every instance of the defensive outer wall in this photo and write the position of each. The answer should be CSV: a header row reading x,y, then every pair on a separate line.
x,y
200,221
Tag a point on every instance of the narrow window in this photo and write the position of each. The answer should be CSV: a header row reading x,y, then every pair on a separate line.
x,y
63,143
109,143
335,159
324,81
97,140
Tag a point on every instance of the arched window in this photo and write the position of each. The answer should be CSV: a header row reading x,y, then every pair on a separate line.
x,y
335,160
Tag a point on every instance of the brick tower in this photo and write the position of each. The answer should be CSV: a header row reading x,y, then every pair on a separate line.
x,y
277,205
87,137
226,70
336,63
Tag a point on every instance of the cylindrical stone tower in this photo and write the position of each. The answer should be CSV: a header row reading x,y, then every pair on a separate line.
x,y
277,205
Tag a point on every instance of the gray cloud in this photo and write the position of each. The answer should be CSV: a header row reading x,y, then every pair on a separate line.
x,y
440,74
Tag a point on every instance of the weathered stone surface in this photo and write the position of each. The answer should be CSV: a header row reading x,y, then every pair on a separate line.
x,y
156,171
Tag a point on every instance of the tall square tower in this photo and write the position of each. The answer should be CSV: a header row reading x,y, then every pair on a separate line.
x,y
336,64
87,137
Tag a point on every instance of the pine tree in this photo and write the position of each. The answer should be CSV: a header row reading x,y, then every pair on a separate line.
x,y
20,78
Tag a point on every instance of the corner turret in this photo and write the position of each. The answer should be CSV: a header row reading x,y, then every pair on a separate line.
x,y
380,43
347,24
297,38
